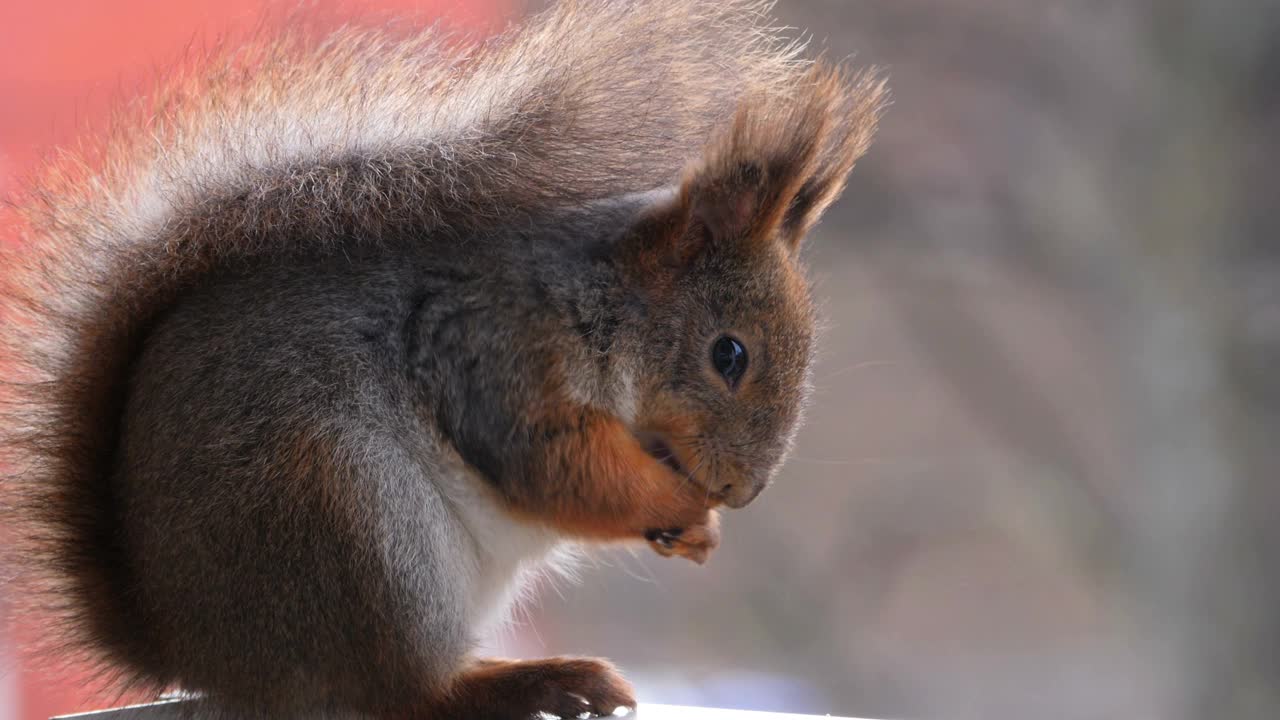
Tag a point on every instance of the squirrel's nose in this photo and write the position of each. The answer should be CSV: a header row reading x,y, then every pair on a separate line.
x,y
740,492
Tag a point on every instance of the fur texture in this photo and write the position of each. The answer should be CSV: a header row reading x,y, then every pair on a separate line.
x,y
261,201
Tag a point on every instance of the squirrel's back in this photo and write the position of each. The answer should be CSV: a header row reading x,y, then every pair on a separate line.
x,y
296,147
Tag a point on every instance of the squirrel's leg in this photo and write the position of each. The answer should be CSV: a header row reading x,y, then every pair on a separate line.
x,y
493,689
591,478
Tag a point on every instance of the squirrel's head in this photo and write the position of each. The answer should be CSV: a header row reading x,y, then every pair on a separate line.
x,y
727,336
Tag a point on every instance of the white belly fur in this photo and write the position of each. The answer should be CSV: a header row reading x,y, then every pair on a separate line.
x,y
507,554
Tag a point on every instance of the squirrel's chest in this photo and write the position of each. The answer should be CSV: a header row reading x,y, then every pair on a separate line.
x,y
505,555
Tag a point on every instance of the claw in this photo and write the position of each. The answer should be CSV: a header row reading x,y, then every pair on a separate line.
x,y
694,542
666,538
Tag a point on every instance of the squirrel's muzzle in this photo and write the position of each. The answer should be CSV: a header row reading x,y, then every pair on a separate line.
x,y
740,493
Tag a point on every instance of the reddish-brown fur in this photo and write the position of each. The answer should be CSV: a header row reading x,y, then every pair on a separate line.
x,y
494,689
597,482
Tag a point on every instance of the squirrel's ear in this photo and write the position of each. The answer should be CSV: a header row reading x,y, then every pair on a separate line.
x,y
784,158
769,176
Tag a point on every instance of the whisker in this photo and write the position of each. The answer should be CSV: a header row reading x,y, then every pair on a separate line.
x,y
866,364
861,461
715,466
752,456
690,476
702,459
648,577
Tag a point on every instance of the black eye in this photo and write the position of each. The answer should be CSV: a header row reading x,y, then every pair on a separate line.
x,y
729,359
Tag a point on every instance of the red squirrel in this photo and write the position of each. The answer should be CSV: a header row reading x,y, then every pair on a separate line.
x,y
337,340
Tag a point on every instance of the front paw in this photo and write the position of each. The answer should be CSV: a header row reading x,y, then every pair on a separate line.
x,y
694,542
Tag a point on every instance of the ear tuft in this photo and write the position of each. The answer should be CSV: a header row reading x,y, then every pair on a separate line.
x,y
785,156
769,175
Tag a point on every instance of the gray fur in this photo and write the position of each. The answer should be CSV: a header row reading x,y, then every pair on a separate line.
x,y
251,581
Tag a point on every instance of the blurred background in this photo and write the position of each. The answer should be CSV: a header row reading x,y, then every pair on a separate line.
x,y
1040,472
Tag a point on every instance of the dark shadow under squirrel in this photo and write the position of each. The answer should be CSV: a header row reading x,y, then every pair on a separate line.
x,y
332,342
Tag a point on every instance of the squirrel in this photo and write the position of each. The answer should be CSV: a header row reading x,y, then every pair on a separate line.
x,y
333,342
